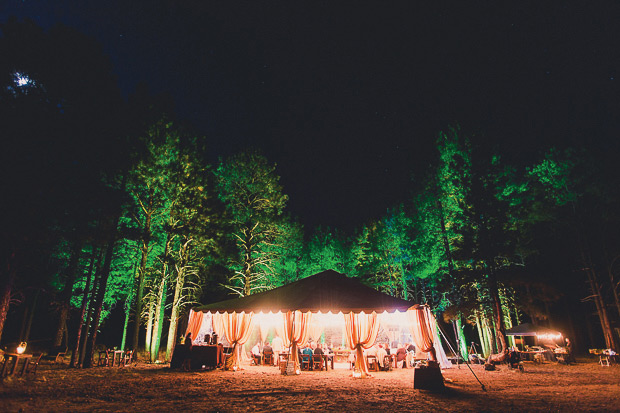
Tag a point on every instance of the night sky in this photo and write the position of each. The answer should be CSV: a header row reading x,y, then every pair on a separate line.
x,y
348,98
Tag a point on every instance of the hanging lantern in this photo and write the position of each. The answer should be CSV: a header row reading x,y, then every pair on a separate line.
x,y
21,348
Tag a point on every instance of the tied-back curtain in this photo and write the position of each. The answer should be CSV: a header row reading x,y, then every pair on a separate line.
x,y
421,329
295,332
218,324
237,328
194,323
362,330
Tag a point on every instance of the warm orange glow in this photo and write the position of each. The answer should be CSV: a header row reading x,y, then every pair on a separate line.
x,y
21,348
549,336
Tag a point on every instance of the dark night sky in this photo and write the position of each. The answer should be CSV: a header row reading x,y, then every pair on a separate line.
x,y
348,98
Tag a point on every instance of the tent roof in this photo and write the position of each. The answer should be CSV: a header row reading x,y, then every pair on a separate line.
x,y
529,329
325,291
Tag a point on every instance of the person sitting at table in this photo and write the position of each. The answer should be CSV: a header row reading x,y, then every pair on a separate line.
x,y
381,354
308,350
278,347
319,349
267,353
256,357
401,356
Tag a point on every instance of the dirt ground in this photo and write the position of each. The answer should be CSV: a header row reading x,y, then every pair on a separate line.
x,y
585,386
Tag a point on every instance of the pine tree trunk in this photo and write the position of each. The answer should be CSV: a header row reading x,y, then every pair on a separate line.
x,y
176,301
31,316
498,314
80,336
98,303
159,319
67,291
247,266
483,342
160,305
461,337
124,339
149,328
488,336
105,275
601,308
613,283
144,248
89,319
507,317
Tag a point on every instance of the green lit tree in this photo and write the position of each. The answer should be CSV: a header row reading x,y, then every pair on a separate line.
x,y
287,250
327,250
150,187
250,189
383,254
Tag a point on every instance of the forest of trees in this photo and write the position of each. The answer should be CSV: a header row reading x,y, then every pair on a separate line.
x,y
116,217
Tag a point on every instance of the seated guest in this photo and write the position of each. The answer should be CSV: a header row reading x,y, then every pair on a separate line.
x,y
401,356
381,354
410,355
256,354
268,352
278,347
308,350
318,349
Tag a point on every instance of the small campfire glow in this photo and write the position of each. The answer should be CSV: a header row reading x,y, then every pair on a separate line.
x,y
549,337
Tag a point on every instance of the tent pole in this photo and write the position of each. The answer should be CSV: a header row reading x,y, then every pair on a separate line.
x,y
466,363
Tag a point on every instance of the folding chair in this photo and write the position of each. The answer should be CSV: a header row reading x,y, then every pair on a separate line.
x,y
372,363
33,363
305,362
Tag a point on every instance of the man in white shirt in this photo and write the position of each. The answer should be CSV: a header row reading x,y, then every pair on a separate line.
x,y
381,353
278,347
256,354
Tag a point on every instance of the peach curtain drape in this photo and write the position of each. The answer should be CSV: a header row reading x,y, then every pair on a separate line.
x,y
362,330
421,330
315,329
194,323
236,327
295,332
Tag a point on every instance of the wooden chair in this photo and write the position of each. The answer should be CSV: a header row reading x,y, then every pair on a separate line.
x,y
373,365
60,357
268,359
317,362
104,358
256,360
387,363
126,359
33,363
306,362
